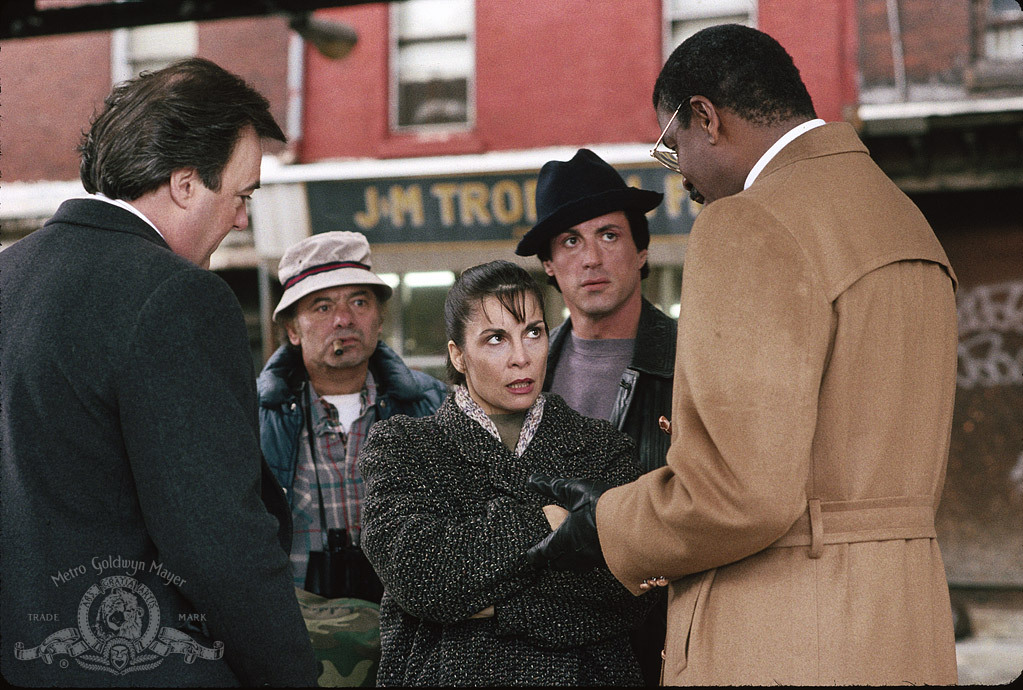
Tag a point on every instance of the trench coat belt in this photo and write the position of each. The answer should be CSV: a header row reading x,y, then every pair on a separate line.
x,y
870,519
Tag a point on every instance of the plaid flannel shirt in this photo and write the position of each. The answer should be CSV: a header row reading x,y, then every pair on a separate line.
x,y
340,481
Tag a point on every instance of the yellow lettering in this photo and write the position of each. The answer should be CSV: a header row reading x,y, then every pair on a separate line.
x,y
371,216
445,194
529,197
407,200
674,195
637,182
472,197
506,202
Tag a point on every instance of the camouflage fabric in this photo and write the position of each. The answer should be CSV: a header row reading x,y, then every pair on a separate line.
x,y
346,638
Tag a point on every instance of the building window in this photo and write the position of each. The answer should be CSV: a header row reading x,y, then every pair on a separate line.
x,y
1003,31
683,18
147,48
433,63
997,41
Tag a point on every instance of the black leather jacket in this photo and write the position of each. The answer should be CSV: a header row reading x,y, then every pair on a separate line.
x,y
644,393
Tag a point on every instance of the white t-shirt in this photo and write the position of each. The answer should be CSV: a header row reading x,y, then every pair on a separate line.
x,y
348,408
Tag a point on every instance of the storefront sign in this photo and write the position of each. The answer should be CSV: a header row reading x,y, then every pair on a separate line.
x,y
467,208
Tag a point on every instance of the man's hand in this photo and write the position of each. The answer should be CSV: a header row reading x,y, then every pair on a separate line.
x,y
574,545
555,515
485,613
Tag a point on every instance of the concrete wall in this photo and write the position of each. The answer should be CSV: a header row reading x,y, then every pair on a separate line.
x,y
49,88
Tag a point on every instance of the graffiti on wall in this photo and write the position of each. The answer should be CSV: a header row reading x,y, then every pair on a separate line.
x,y
982,502
991,335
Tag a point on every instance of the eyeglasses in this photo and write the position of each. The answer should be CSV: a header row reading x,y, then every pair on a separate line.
x,y
667,157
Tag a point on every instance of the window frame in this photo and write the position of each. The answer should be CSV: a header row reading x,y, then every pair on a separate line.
x,y
123,61
668,18
985,73
393,95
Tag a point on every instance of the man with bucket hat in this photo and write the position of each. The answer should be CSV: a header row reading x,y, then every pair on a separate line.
x,y
614,356
318,395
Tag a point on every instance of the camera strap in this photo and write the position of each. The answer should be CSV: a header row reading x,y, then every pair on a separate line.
x,y
316,469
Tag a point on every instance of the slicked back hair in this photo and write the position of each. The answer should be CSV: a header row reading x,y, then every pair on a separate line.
x,y
187,115
737,68
508,282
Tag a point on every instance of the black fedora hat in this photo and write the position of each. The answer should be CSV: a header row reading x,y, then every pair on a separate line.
x,y
572,192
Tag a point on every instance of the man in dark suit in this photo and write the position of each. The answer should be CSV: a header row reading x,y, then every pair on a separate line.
x,y
139,539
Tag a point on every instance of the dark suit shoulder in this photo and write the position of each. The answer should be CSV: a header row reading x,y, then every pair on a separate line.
x,y
115,262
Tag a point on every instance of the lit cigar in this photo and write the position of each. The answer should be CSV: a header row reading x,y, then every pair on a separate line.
x,y
338,347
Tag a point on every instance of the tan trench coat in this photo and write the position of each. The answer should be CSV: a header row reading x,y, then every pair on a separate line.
x,y
812,409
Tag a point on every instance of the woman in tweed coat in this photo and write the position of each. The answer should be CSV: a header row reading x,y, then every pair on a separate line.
x,y
449,515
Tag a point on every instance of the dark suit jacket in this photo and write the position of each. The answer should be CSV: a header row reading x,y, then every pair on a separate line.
x,y
130,448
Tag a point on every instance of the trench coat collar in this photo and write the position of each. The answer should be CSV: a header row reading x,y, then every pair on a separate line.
x,y
826,140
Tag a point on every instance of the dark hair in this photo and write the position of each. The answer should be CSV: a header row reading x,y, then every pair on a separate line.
x,y
508,282
638,226
738,68
187,115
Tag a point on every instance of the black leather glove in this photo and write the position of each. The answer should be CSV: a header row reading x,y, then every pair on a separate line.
x,y
574,545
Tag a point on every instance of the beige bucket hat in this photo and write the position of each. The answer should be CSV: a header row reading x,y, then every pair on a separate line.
x,y
326,260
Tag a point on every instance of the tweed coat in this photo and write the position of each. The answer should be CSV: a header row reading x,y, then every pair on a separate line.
x,y
811,416
130,440
447,523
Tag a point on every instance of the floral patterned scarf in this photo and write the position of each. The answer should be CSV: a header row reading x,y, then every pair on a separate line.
x,y
476,413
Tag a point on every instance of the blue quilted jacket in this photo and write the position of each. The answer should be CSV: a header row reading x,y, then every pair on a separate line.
x,y
400,390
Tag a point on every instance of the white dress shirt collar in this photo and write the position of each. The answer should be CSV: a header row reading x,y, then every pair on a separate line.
x,y
778,146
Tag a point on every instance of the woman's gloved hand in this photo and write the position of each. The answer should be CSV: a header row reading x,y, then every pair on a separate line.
x,y
574,545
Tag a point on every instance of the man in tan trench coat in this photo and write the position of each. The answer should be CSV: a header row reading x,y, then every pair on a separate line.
x,y
814,382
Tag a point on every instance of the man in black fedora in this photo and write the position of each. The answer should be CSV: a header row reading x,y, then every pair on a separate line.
x,y
614,357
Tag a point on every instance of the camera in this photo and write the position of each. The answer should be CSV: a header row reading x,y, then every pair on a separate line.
x,y
342,570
